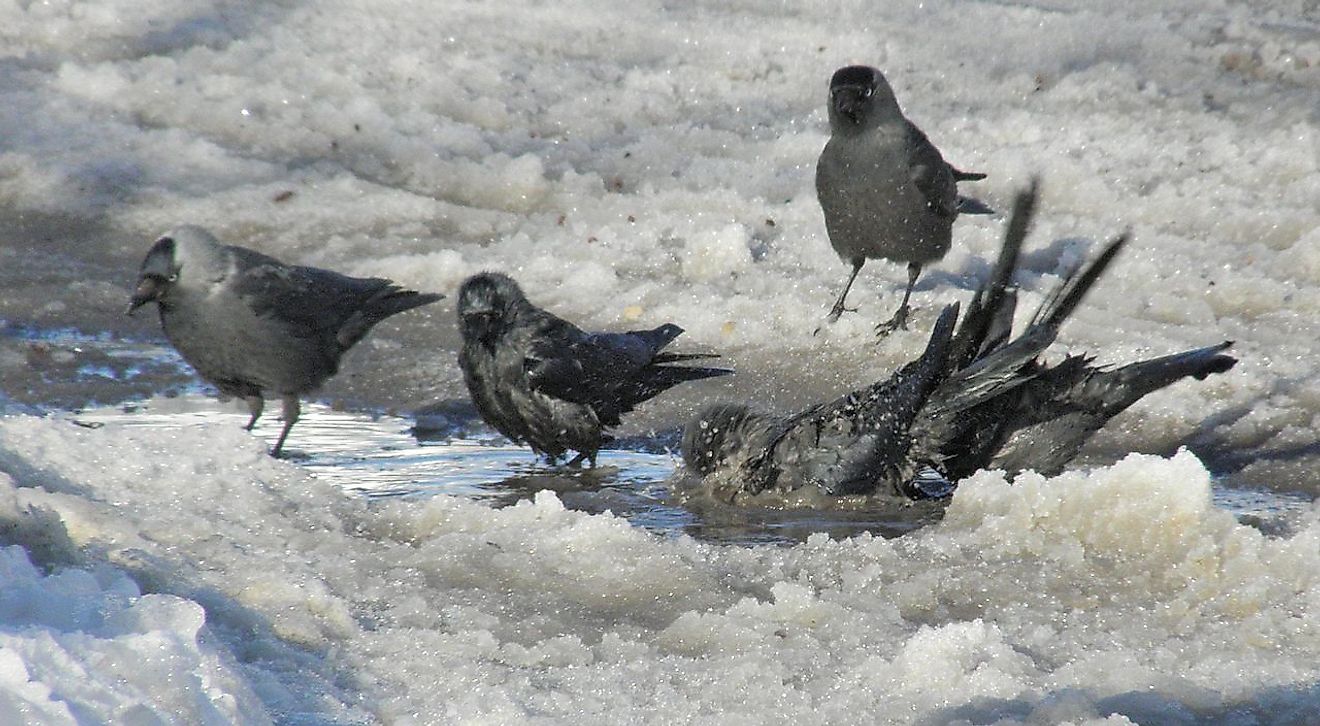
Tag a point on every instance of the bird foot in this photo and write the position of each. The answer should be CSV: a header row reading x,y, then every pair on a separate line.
x,y
898,322
576,462
835,313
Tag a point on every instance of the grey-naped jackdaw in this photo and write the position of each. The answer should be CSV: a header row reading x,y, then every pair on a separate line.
x,y
884,188
254,326
973,399
541,380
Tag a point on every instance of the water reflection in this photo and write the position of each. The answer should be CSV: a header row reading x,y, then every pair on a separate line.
x,y
381,457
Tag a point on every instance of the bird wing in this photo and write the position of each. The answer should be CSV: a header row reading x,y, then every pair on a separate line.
x,y
859,442
308,301
931,174
610,372
564,362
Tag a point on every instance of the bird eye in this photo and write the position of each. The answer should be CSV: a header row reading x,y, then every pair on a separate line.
x,y
173,277
867,93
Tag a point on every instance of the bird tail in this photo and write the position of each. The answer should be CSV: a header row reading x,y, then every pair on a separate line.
x,y
666,377
394,300
1068,296
662,336
659,337
653,381
1120,387
673,357
391,300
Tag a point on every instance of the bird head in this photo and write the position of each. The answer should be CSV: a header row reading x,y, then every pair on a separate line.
x,y
159,271
485,303
184,247
720,435
860,97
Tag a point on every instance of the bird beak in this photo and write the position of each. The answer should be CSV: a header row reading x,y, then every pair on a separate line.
x,y
849,102
148,290
480,324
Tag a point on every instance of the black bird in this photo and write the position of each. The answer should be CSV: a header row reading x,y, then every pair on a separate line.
x,y
541,380
256,327
884,188
972,400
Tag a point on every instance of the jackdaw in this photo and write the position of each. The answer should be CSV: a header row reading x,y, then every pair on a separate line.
x,y
254,326
884,188
973,399
541,380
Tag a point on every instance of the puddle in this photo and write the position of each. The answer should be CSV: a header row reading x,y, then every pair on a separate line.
x,y
109,379
380,457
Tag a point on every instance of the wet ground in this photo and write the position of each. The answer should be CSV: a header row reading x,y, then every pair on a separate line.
x,y
112,381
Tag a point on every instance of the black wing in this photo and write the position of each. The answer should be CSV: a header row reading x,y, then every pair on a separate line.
x,y
931,174
314,303
611,372
860,443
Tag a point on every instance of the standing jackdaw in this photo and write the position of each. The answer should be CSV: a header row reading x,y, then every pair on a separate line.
x,y
541,380
972,400
884,188
254,326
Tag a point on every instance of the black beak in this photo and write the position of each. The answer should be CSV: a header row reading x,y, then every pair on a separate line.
x,y
148,290
481,325
850,101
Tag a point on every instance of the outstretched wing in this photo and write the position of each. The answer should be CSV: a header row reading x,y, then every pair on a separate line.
x,y
859,443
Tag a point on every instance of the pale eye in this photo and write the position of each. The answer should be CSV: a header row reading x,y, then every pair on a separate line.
x,y
868,93
174,277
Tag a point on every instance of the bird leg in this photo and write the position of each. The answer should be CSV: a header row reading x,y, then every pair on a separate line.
x,y
255,405
899,321
582,456
838,308
291,412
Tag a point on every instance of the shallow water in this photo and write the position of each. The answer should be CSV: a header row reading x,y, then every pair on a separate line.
x,y
383,456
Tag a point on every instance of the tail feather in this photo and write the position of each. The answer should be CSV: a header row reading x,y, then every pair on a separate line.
x,y
659,337
397,301
1121,387
654,381
669,376
674,357
1069,295
390,301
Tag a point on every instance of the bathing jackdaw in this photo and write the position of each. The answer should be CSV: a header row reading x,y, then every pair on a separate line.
x,y
541,380
975,398
254,326
884,188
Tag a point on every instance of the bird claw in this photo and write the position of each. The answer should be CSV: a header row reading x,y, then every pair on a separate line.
x,y
836,312
898,322
577,461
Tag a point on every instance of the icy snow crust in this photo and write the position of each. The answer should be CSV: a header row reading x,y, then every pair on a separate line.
x,y
1048,600
632,164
